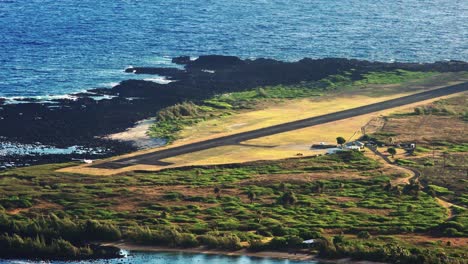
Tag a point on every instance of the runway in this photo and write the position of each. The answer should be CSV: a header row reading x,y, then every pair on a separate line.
x,y
154,158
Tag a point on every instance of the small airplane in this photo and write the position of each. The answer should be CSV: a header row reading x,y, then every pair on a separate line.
x,y
87,161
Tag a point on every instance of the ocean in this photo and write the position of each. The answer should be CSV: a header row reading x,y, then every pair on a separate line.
x,y
53,48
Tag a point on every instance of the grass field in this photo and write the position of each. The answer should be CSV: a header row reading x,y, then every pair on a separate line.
x,y
303,198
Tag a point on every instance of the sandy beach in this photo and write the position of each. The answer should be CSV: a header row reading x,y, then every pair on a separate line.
x,y
138,136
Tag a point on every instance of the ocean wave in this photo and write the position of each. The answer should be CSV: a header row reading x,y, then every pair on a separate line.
x,y
11,148
51,98
37,98
110,84
160,80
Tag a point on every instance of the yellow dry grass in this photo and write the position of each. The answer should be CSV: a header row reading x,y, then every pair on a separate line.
x,y
279,146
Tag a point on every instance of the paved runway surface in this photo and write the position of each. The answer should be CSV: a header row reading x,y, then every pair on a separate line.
x,y
155,158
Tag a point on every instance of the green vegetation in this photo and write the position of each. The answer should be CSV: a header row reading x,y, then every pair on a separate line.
x,y
440,154
447,172
53,237
340,141
171,120
222,207
405,162
446,107
272,92
392,77
392,151
386,249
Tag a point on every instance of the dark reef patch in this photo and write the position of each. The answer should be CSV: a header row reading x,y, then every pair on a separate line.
x,y
83,121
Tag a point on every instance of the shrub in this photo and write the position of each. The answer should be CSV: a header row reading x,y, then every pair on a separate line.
x,y
338,239
13,202
288,198
287,242
228,242
363,235
452,232
188,240
257,245
101,232
310,234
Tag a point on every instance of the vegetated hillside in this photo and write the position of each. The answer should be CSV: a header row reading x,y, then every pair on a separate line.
x,y
439,130
346,200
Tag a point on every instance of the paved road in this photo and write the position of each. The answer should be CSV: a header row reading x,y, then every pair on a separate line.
x,y
155,157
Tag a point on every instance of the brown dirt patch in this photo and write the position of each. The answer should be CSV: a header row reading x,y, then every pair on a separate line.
x,y
39,206
422,239
342,199
157,191
382,212
300,178
427,128
155,194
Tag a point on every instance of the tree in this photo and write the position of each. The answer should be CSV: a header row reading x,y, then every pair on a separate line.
x,y
391,151
363,235
261,92
282,187
340,141
251,195
288,198
320,187
217,191
388,186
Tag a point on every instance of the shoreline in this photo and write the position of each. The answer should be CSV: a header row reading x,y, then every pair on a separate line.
x,y
137,135
80,120
242,252
201,250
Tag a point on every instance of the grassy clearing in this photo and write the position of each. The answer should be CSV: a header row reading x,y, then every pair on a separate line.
x,y
441,124
439,130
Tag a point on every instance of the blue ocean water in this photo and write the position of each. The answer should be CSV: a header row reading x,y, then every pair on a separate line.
x,y
57,47
173,258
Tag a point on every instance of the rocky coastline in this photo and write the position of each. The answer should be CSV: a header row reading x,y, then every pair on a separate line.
x,y
83,121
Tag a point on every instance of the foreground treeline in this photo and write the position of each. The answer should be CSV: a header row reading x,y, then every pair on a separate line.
x,y
339,247
52,237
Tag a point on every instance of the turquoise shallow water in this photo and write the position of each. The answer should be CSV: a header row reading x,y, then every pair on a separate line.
x,y
174,258
58,47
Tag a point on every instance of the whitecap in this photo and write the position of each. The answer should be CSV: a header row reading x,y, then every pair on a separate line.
x,y
110,84
38,98
160,80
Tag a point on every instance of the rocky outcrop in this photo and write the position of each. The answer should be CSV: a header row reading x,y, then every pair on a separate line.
x,y
181,60
215,62
83,121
